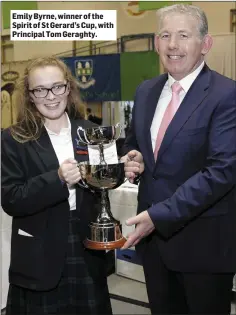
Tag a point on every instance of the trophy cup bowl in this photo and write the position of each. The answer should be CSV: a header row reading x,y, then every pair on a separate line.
x,y
99,135
105,233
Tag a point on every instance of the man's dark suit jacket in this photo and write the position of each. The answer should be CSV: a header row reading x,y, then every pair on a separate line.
x,y
190,191
34,196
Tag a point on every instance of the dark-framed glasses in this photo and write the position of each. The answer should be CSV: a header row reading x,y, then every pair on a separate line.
x,y
42,92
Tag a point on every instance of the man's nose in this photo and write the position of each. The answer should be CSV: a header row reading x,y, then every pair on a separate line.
x,y
173,43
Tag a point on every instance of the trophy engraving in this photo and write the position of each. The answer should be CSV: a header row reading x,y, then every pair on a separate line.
x,y
105,232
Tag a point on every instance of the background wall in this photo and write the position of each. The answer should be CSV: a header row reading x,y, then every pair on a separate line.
x,y
127,23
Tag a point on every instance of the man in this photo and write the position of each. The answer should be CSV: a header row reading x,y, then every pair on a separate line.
x,y
182,143
93,118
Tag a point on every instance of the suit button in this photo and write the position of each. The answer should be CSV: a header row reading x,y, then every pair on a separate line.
x,y
154,178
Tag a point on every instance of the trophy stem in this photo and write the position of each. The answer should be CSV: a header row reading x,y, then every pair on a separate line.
x,y
106,233
105,215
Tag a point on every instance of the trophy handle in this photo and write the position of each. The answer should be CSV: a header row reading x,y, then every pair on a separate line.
x,y
84,134
81,182
116,126
83,185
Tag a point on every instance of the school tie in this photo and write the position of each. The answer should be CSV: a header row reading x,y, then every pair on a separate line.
x,y
168,116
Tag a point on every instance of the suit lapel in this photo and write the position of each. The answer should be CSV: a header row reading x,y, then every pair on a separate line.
x,y
151,104
194,97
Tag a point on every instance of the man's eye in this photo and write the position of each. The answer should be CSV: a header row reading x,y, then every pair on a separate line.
x,y
164,36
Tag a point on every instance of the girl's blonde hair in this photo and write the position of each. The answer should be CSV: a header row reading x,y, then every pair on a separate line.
x,y
29,121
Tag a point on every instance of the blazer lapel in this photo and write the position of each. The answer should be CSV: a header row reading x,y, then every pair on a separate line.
x,y
194,97
80,155
151,104
74,137
46,153
45,150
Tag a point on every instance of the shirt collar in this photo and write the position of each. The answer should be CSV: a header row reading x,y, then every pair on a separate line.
x,y
63,131
188,80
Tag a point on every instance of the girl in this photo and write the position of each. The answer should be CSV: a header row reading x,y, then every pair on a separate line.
x,y
50,270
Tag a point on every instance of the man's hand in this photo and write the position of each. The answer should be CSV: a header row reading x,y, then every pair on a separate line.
x,y
144,226
133,164
69,172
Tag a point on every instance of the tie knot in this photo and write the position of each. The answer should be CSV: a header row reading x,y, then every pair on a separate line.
x,y
176,87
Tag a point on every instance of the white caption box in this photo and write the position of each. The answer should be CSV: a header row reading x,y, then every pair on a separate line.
x,y
48,25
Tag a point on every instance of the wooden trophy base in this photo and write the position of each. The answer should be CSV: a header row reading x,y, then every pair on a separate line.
x,y
104,245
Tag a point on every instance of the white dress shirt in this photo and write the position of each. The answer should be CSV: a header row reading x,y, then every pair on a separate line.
x,y
63,147
165,98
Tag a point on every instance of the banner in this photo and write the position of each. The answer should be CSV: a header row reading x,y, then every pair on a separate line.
x,y
135,68
155,5
98,76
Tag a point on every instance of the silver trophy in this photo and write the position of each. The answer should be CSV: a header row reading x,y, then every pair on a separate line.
x,y
105,232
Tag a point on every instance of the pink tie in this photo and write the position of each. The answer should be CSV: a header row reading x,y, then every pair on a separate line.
x,y
168,116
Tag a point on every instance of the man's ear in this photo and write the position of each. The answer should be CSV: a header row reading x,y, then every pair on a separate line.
x,y
207,43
